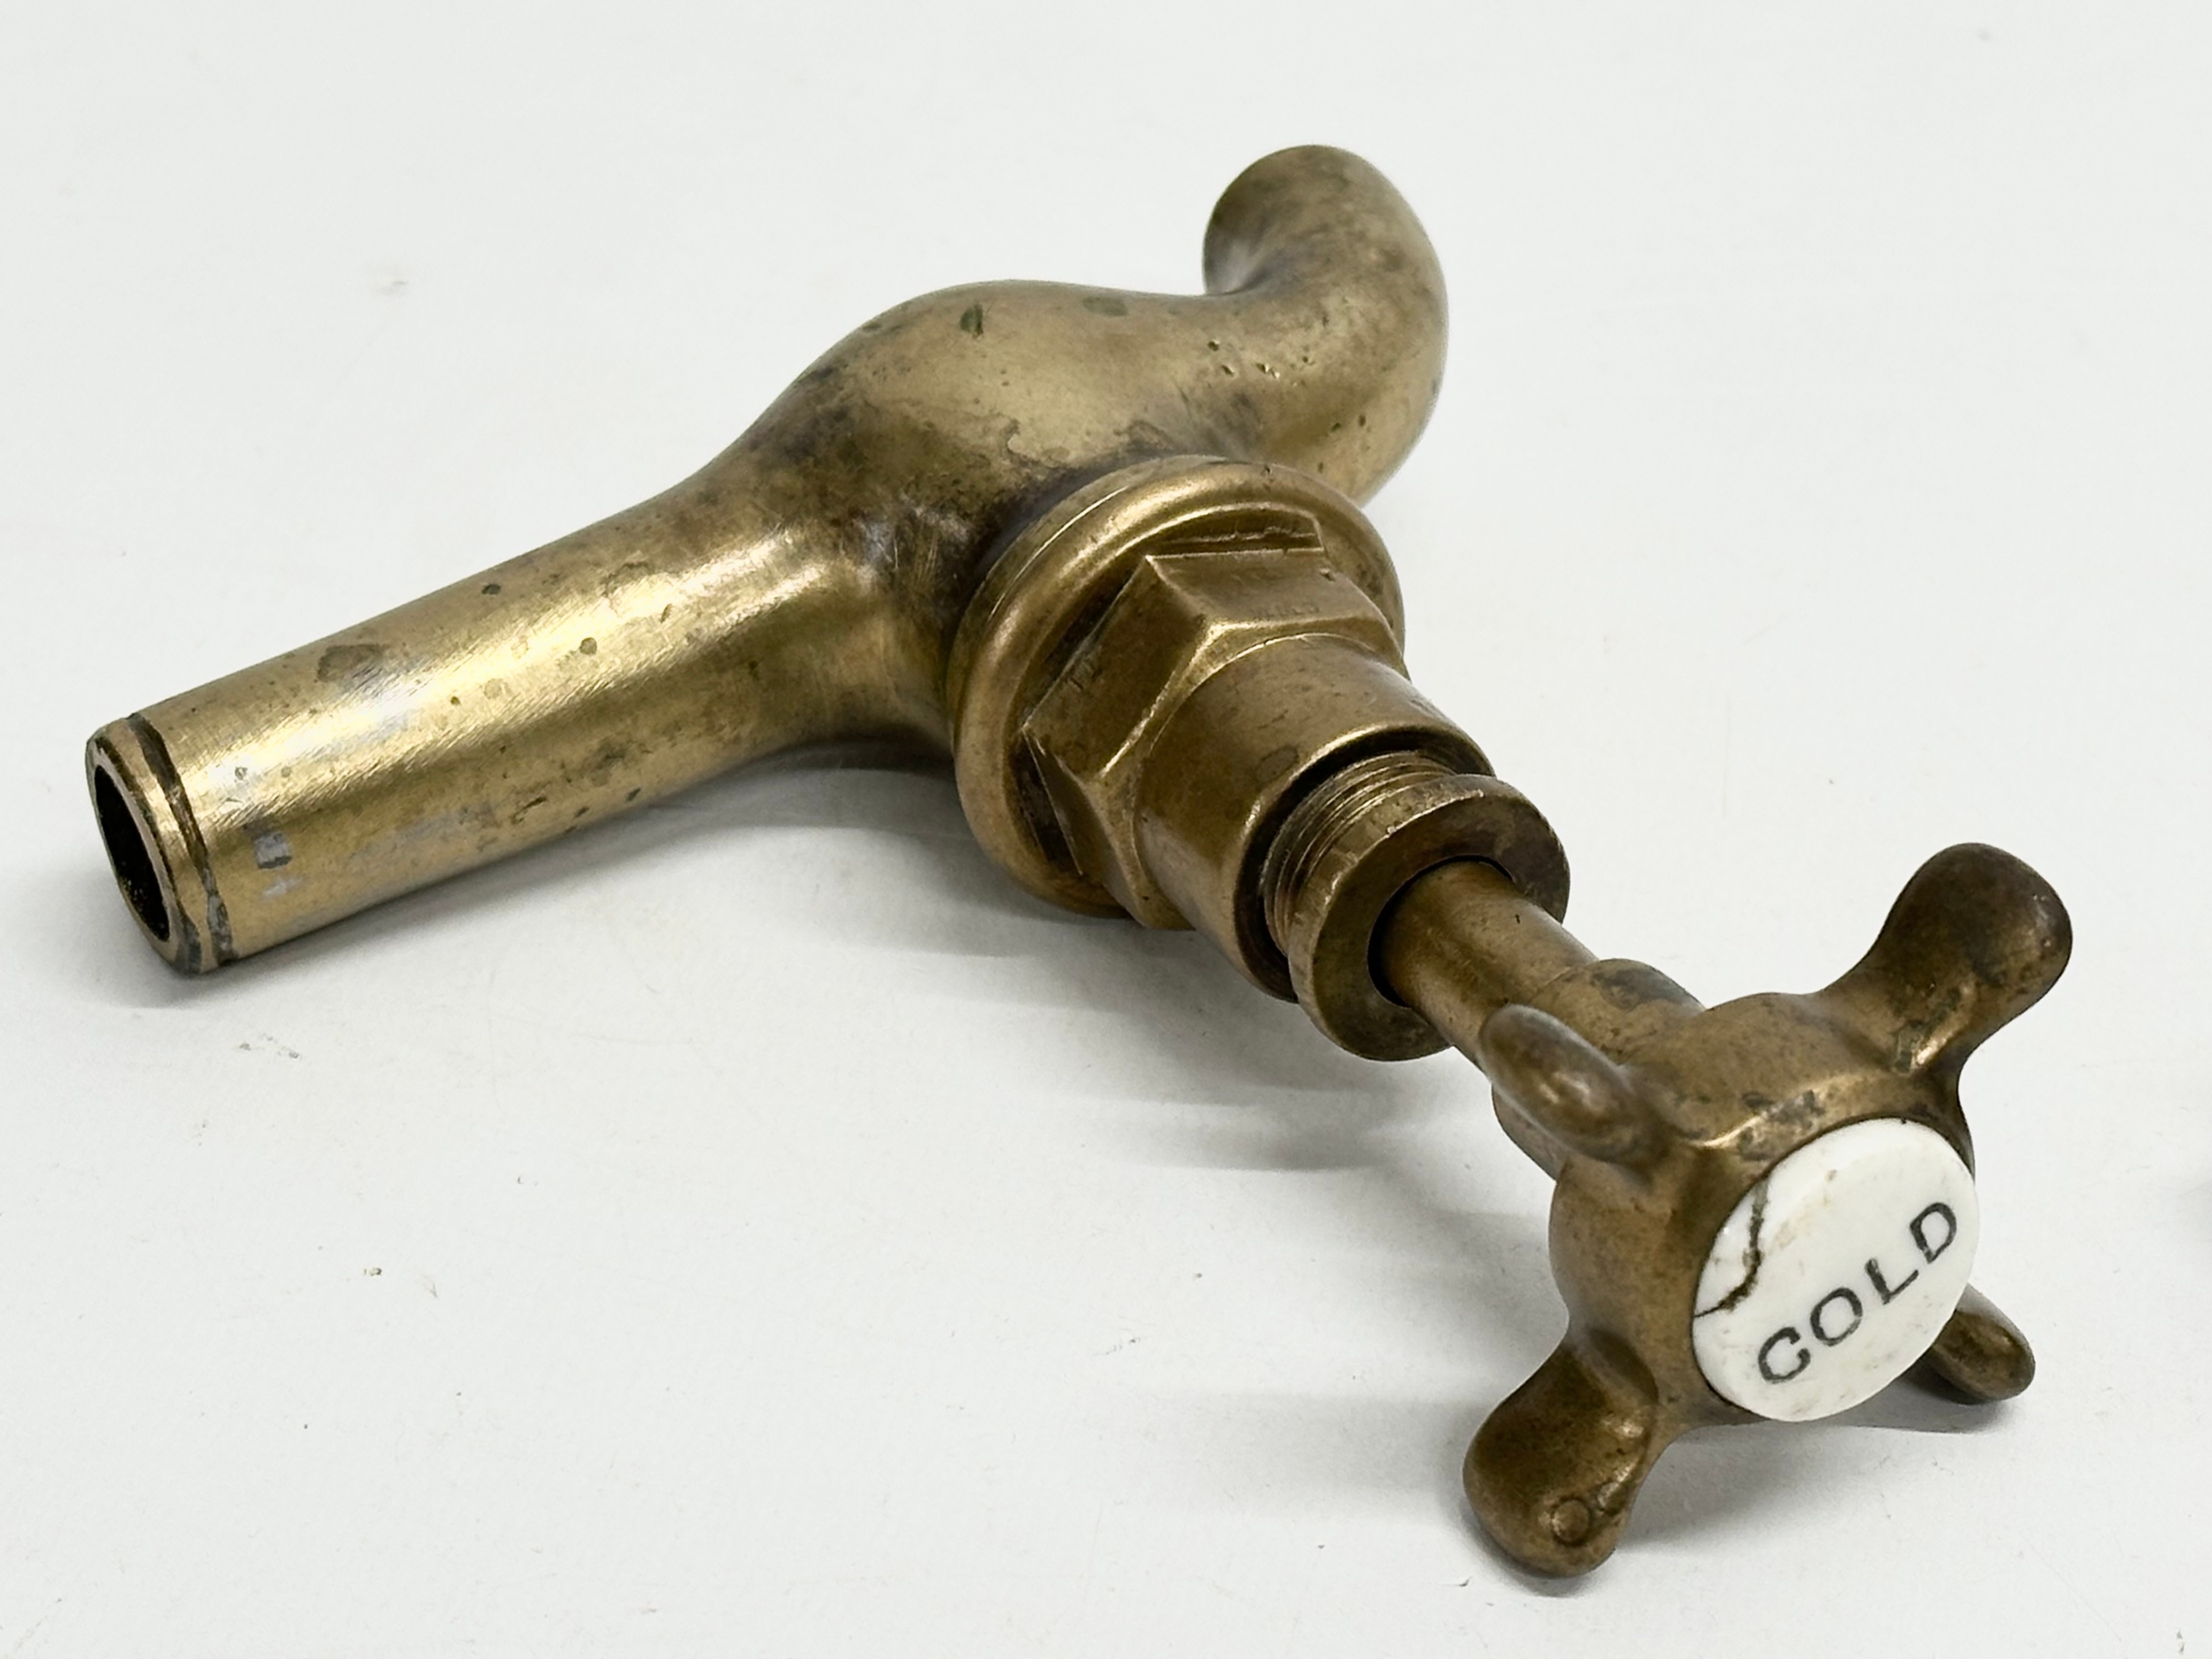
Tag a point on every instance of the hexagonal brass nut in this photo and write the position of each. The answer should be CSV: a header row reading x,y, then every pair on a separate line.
x,y
1182,618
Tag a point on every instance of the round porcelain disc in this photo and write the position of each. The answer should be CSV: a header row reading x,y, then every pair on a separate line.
x,y
1835,1272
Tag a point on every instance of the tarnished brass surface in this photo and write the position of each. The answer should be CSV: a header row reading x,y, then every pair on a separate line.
x,y
804,586
1105,548
1656,1115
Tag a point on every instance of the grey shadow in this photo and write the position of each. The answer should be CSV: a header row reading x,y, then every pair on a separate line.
x,y
76,923
71,925
1252,1085
1743,1469
1321,1454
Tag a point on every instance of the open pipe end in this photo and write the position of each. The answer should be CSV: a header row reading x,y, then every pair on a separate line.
x,y
148,847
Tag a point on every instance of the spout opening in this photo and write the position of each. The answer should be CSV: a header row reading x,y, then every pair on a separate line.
x,y
130,858
134,830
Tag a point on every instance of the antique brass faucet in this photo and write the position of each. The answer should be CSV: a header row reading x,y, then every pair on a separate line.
x,y
1102,548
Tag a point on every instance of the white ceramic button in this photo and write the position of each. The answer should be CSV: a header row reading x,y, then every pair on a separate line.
x,y
1836,1271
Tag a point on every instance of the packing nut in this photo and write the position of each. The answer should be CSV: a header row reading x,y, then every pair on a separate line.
x,y
1181,619
1044,601
1219,691
1237,760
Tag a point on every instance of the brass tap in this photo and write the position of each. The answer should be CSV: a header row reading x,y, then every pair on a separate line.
x,y
1103,547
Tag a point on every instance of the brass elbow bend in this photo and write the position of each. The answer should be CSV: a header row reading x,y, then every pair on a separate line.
x,y
804,586
1102,548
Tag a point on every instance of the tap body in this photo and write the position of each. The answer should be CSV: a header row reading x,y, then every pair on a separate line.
x,y
1104,549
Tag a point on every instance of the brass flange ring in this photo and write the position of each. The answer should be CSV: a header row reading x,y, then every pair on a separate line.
x,y
1053,584
1353,847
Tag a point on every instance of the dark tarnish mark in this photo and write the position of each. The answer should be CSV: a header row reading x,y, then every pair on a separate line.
x,y
972,320
347,662
491,588
1754,1257
609,758
1916,1040
590,647
1629,986
1773,1126
1795,1114
1107,305
1143,437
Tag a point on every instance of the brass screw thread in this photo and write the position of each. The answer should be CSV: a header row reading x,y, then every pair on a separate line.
x,y
1328,811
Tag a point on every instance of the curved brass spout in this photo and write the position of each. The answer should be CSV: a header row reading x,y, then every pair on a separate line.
x,y
804,586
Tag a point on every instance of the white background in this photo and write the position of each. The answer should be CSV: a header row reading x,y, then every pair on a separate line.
x,y
757,1229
